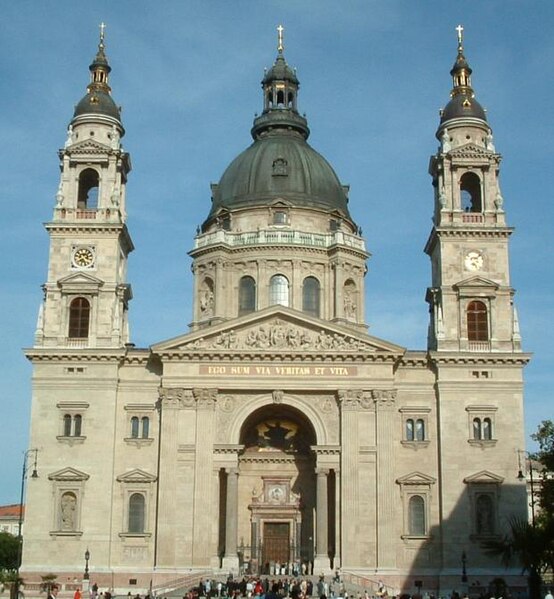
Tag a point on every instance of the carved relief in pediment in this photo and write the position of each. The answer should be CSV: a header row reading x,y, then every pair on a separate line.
x,y
280,335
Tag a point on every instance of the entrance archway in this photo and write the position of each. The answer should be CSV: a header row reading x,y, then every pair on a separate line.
x,y
276,491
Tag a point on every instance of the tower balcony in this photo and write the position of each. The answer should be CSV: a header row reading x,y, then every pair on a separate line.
x,y
280,237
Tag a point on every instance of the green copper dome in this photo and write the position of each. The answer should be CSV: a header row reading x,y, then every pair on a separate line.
x,y
280,164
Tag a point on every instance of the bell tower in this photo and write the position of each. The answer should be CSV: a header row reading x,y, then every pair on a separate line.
x,y
86,295
470,299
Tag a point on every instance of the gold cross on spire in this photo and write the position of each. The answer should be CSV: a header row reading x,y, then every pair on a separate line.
x,y
102,30
280,46
460,31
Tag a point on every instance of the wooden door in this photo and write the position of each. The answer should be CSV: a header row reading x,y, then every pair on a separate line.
x,y
276,542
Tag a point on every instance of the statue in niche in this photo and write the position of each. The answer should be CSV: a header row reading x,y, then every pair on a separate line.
x,y
207,302
349,304
489,142
69,139
445,142
68,508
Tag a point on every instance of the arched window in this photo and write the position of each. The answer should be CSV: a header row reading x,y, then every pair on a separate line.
x,y
134,427
470,193
77,421
487,429
310,296
145,421
420,430
409,429
477,431
67,425
136,513
280,99
88,190
279,290
247,295
79,314
416,516
477,321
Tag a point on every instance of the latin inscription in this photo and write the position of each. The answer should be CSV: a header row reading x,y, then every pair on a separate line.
x,y
262,370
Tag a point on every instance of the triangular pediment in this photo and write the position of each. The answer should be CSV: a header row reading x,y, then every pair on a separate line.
x,y
476,281
416,478
470,150
80,277
89,146
484,477
136,476
278,329
68,474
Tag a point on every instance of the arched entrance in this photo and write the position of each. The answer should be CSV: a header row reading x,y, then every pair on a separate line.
x,y
276,487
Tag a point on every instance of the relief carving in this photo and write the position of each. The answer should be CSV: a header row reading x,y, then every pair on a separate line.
x,y
277,396
280,335
175,398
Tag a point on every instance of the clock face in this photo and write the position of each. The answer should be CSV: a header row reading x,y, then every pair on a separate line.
x,y
83,257
474,260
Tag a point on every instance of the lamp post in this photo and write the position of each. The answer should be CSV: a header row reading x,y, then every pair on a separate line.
x,y
87,557
27,461
521,476
464,571
535,581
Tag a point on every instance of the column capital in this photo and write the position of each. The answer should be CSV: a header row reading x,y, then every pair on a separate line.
x,y
349,399
206,398
232,471
174,398
384,398
322,471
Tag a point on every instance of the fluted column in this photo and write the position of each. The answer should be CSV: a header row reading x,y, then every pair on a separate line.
x,y
337,561
203,546
350,501
385,400
231,513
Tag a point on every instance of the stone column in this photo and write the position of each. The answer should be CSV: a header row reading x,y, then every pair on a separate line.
x,y
350,500
204,547
321,562
231,560
385,400
337,560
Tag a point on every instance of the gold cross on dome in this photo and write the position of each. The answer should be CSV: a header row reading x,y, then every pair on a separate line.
x,y
460,31
280,46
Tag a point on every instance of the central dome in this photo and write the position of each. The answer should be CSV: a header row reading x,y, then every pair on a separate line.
x,y
280,164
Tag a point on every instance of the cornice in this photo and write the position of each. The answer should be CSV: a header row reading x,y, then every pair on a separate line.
x,y
276,248
39,354
492,358
276,356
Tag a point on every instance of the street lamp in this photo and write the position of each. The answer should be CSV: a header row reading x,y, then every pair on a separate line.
x,y
521,476
27,461
464,571
87,557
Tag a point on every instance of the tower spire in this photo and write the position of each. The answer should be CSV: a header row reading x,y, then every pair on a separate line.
x,y
99,68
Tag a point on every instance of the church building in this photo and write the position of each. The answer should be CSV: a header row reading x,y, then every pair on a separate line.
x,y
276,435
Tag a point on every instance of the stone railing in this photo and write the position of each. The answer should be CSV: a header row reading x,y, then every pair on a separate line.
x,y
479,345
288,237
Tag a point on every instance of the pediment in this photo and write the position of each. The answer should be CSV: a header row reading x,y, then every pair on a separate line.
x,y
278,329
476,281
89,146
68,474
80,277
484,477
416,478
470,150
80,282
136,476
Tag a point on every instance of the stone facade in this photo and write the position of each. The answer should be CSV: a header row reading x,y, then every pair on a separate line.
x,y
277,430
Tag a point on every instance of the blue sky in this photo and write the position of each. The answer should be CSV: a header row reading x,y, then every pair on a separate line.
x,y
373,77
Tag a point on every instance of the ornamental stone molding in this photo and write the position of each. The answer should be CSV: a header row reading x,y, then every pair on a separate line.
x,y
206,398
281,335
176,398
277,396
350,399
384,398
